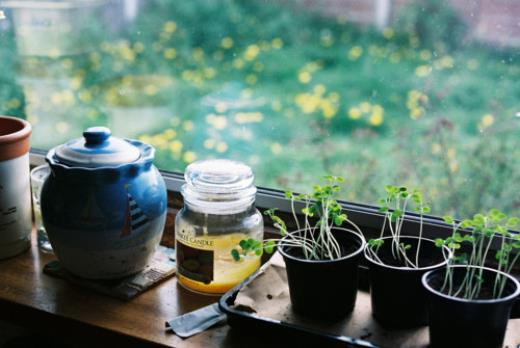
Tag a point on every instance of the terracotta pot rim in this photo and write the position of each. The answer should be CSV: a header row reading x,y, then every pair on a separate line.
x,y
19,135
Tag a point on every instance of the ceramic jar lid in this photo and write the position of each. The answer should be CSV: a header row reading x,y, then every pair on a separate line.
x,y
97,148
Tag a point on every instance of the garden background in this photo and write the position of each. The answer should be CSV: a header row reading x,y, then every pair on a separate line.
x,y
290,88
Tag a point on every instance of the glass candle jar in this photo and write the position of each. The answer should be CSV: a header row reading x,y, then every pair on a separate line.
x,y
218,213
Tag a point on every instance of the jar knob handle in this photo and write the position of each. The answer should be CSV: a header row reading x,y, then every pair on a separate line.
x,y
96,135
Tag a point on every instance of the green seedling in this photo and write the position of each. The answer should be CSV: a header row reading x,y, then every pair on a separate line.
x,y
398,199
316,241
478,234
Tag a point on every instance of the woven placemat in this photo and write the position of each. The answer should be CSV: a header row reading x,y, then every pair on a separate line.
x,y
160,268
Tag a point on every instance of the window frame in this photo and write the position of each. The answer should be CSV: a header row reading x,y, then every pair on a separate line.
x,y
366,216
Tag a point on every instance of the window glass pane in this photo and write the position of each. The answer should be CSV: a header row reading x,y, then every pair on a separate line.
x,y
421,93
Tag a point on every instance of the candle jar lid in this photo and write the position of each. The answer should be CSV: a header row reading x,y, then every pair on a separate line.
x,y
219,186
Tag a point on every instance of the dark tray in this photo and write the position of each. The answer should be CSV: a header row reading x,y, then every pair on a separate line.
x,y
289,332
274,318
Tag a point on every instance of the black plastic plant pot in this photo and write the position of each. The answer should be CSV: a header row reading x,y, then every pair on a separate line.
x,y
457,322
324,289
397,295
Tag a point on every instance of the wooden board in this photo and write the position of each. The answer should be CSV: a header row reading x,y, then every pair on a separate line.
x,y
54,307
50,305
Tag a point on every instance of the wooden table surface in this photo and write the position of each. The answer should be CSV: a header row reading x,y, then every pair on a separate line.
x,y
85,319
50,305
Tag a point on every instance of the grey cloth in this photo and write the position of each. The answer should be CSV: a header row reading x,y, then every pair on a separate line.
x,y
197,321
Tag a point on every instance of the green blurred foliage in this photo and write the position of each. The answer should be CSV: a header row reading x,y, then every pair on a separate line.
x,y
296,96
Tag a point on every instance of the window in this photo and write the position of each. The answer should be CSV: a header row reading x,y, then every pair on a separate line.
x,y
419,93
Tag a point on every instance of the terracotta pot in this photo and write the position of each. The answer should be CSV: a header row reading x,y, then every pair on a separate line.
x,y
15,188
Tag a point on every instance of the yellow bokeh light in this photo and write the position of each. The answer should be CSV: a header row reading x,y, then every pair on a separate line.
x,y
246,93
376,119
221,107
138,47
170,53
175,146
451,153
416,113
209,143
217,122
354,113
56,98
425,54
319,89
221,147
238,63
395,57
189,156
76,82
487,120
355,52
62,127
454,167
436,148
227,42
328,110
248,117
447,62
276,105
210,73
169,27
388,33
188,126
170,133
304,77
276,148
251,79
277,43
151,89
251,52
197,54
423,70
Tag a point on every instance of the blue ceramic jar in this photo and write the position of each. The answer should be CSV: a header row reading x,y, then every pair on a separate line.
x,y
103,205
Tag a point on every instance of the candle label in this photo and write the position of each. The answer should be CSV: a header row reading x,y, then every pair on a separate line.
x,y
194,258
